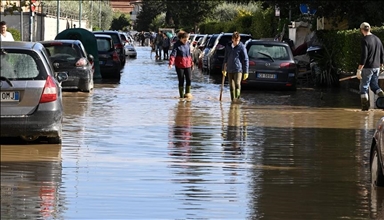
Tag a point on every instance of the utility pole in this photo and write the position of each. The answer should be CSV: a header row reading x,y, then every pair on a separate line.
x,y
58,17
31,20
80,12
90,20
21,23
100,14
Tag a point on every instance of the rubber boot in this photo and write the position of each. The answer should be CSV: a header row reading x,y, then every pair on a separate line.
x,y
236,96
181,91
364,102
232,95
237,93
188,89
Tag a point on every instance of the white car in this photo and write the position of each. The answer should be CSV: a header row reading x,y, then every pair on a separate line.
x,y
130,50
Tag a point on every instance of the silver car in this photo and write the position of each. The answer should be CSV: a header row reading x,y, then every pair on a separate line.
x,y
377,150
130,50
31,97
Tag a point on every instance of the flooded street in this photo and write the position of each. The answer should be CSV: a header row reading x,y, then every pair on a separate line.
x,y
132,150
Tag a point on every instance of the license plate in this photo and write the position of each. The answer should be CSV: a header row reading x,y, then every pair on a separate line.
x,y
266,76
10,96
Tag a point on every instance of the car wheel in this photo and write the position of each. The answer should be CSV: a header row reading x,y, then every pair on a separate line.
x,y
377,177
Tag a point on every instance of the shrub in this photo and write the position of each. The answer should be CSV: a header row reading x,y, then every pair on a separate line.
x,y
15,33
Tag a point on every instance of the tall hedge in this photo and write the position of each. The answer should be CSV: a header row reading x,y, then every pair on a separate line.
x,y
344,46
259,24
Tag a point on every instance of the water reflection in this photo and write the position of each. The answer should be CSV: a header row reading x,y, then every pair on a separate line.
x,y
30,181
377,202
236,131
199,166
181,131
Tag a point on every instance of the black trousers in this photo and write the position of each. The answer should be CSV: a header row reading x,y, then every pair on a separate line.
x,y
184,73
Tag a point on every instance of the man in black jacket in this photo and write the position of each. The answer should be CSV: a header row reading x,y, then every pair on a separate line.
x,y
371,61
159,44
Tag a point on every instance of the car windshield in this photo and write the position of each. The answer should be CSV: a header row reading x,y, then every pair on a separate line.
x,y
274,52
103,44
18,65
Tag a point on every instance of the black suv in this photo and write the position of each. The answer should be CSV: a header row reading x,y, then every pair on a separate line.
x,y
119,43
215,56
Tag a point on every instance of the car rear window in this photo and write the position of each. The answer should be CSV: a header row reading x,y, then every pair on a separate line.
x,y
244,39
123,37
260,51
103,44
115,36
225,39
20,65
212,41
67,51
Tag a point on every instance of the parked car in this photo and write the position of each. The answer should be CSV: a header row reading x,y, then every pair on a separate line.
x,y
130,51
110,65
118,42
271,65
88,40
31,94
124,37
71,57
215,56
199,48
194,43
377,150
205,52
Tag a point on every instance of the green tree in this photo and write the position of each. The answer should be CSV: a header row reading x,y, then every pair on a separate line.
x,y
120,23
355,11
98,13
149,10
178,13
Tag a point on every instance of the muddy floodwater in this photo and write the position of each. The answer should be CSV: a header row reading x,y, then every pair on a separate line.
x,y
132,150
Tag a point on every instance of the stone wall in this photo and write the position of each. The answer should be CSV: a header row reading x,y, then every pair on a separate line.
x,y
43,27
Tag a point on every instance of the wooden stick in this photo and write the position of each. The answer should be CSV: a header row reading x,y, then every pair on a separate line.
x,y
222,88
347,78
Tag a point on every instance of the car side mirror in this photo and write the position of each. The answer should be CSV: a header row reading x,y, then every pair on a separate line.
x,y
90,57
62,76
380,102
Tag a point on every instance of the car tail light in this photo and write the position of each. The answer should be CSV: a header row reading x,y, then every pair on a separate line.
x,y
252,63
81,62
287,65
49,91
220,47
119,46
115,56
